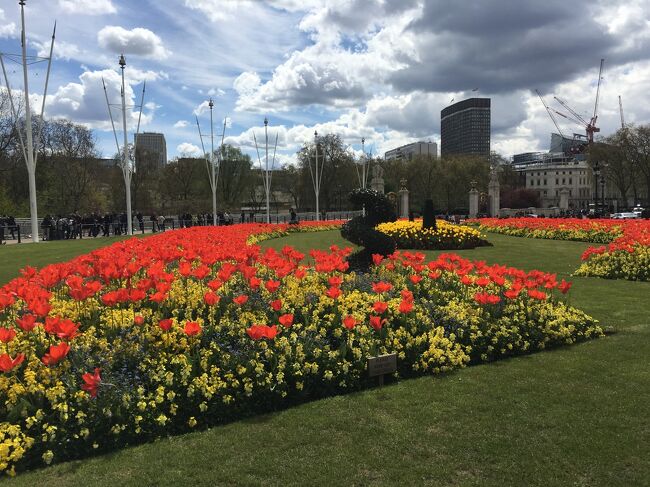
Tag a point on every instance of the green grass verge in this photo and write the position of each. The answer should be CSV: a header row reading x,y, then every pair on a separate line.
x,y
572,416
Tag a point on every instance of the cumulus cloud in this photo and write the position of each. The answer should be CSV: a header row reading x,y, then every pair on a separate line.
x,y
7,30
85,102
187,149
181,124
87,7
138,41
534,45
341,68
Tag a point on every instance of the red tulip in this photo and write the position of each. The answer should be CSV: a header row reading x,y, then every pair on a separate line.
x,y
27,322
535,294
486,298
272,286
257,332
7,334
379,307
276,305
56,353
381,287
377,322
407,295
192,328
349,322
377,258
165,324
333,292
405,306
138,320
254,282
241,299
211,298
286,320
7,363
564,286
415,278
335,281
91,382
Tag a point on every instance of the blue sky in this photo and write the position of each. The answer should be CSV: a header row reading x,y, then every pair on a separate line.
x,y
379,69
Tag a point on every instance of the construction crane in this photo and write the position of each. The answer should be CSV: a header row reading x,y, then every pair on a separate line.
x,y
620,109
590,126
550,113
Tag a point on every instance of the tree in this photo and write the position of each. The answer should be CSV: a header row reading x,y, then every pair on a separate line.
x,y
70,167
610,153
337,169
235,175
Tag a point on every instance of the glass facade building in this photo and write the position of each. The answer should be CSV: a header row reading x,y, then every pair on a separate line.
x,y
465,128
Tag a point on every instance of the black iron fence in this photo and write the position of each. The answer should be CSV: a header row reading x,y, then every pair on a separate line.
x,y
70,230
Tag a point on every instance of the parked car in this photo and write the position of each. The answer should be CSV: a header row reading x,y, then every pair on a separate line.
x,y
625,215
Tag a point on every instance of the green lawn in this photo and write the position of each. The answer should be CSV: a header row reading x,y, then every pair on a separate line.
x,y
573,416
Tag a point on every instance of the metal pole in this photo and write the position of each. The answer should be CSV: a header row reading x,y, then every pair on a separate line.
x,y
126,168
363,163
266,180
31,167
214,179
317,182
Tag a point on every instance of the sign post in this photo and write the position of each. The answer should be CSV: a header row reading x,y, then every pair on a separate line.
x,y
382,365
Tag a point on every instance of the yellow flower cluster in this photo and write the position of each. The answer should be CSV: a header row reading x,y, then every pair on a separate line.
x,y
444,236
632,264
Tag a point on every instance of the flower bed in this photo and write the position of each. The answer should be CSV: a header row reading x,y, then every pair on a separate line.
x,y
627,255
585,230
285,230
446,236
154,336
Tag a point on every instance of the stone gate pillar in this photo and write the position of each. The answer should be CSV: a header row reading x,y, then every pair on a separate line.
x,y
473,201
494,196
403,200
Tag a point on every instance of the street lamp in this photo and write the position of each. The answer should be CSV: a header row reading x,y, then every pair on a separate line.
x,y
602,191
596,170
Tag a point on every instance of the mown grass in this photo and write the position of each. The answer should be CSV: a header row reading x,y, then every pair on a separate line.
x,y
571,416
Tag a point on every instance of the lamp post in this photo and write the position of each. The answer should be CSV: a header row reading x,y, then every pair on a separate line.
x,y
316,179
126,164
213,176
596,170
602,192
29,144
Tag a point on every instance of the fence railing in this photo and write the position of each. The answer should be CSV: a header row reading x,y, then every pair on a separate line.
x,y
22,230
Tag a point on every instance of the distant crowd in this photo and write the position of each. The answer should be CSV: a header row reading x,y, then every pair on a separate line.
x,y
59,227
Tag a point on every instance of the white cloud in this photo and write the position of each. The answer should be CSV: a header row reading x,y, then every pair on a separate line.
x,y
218,10
181,124
7,30
62,50
87,7
85,102
187,149
138,41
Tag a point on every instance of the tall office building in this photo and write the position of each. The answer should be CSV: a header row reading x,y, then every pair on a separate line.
x,y
148,143
465,128
415,149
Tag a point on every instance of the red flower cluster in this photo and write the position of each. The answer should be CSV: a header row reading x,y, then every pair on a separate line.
x,y
257,332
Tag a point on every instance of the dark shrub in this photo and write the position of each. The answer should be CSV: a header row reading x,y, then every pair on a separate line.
x,y
361,229
428,215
